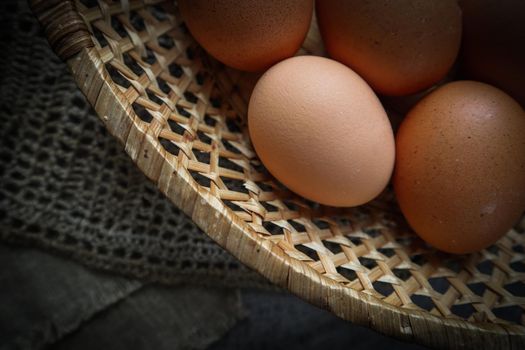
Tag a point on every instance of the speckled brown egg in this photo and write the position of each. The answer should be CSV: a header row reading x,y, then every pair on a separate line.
x,y
399,47
460,166
321,131
493,47
249,35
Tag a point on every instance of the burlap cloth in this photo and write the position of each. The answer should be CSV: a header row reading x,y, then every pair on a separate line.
x,y
68,187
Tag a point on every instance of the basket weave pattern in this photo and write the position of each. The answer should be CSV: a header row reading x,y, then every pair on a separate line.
x,y
180,115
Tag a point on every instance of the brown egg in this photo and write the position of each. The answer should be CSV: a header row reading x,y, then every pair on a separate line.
x,y
493,47
321,131
249,35
398,47
460,166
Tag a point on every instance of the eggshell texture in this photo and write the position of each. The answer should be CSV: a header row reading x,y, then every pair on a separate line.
x,y
321,131
249,35
460,166
399,47
493,47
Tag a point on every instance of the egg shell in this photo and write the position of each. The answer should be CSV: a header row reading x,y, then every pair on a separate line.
x,y
399,47
321,130
249,35
493,46
460,166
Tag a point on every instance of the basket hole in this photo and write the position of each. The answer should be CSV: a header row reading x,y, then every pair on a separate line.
x,y
291,205
89,3
175,70
518,266
404,241
368,263
372,232
204,138
312,254
511,313
493,249
439,284
518,248
228,164
463,310
99,37
132,64
209,121
164,87
402,274
516,288
234,184
258,166
190,54
150,57
419,259
233,126
297,226
199,77
158,12
333,247
166,41
266,187
215,102
183,112
175,127
154,98
117,77
422,301
137,21
344,221
388,252
169,146
202,157
269,207
346,273
200,179
142,113
190,97
477,288
272,228
454,265
230,147
321,224
485,267
355,240
383,288
118,27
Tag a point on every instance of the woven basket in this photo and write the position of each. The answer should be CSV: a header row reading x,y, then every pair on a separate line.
x,y
180,115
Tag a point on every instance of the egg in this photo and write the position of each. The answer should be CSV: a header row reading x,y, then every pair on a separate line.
x,y
249,35
320,130
398,47
493,47
460,166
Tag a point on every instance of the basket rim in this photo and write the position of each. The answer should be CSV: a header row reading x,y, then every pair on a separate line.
x,y
231,233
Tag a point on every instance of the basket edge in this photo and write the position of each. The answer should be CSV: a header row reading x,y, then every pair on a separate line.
x,y
65,30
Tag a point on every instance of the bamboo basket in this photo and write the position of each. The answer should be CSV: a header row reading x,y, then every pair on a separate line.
x,y
180,115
